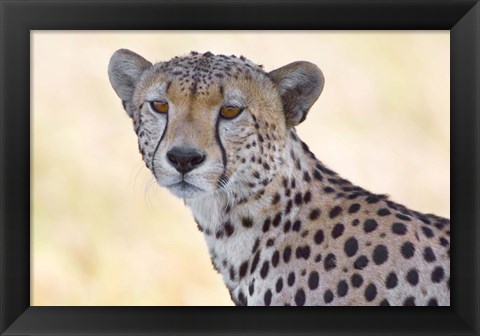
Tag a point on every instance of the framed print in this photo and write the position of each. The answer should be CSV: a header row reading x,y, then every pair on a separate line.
x,y
56,279
146,235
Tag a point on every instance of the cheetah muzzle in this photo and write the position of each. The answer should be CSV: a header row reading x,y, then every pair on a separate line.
x,y
282,229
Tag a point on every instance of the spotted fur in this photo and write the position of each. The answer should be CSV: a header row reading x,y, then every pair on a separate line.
x,y
281,227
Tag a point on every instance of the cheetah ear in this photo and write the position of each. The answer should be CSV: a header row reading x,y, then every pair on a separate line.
x,y
124,70
300,84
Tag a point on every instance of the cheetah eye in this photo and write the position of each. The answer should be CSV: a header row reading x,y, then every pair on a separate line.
x,y
159,106
229,112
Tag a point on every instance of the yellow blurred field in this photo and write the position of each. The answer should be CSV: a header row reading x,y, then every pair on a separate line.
x,y
104,234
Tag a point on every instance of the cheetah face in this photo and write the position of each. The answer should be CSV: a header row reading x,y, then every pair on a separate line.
x,y
208,123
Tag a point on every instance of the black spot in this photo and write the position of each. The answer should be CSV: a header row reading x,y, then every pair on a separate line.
x,y
300,297
277,219
342,288
267,298
256,245
289,207
256,258
437,274
383,212
319,237
270,242
353,196
303,252
361,262
324,169
314,214
317,175
407,250
335,212
403,217
328,190
399,228
410,301
298,165
369,225
328,296
219,234
306,176
370,292
242,300
266,225
287,226
243,269
372,199
338,230
287,254
355,222
330,262
428,254
247,222
350,247
307,197
276,198
380,254
444,242
384,302
391,281
298,199
432,302
424,219
291,279
232,273
229,229
427,232
275,258
251,289
264,269
412,277
318,258
356,280
354,208
313,280
279,285
296,226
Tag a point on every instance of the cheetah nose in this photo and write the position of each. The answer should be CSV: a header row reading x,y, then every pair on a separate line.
x,y
185,159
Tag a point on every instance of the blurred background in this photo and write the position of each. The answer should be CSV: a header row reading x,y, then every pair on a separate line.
x,y
104,234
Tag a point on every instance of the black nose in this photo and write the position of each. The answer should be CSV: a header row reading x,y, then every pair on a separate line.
x,y
185,159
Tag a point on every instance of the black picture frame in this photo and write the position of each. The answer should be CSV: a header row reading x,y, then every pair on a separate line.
x,y
19,17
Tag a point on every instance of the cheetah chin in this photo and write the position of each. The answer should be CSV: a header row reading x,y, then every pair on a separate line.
x,y
184,189
281,227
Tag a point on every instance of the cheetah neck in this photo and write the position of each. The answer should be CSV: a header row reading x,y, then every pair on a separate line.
x,y
234,231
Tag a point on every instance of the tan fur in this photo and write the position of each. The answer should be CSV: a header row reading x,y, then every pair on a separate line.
x,y
261,193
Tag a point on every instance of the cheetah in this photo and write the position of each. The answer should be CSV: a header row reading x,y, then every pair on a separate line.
x,y
281,228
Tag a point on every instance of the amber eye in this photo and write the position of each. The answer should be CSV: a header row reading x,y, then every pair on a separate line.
x,y
159,106
230,112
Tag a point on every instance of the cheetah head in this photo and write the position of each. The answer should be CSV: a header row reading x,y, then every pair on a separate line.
x,y
211,123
